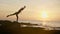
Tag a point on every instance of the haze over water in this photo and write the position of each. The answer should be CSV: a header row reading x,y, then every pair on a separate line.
x,y
47,11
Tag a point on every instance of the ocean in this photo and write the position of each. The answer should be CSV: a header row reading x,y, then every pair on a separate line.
x,y
47,25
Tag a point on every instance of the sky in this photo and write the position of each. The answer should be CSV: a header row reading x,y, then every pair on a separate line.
x,y
33,9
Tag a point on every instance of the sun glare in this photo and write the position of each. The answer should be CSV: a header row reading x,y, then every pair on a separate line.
x,y
44,15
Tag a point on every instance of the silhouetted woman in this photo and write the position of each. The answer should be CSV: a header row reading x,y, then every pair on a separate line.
x,y
16,13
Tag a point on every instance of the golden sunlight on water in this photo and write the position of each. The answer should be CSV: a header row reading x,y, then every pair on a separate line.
x,y
44,17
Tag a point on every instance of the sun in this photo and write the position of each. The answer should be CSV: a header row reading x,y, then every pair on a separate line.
x,y
44,15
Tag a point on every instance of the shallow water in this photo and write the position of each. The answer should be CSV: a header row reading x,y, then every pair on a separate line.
x,y
46,25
